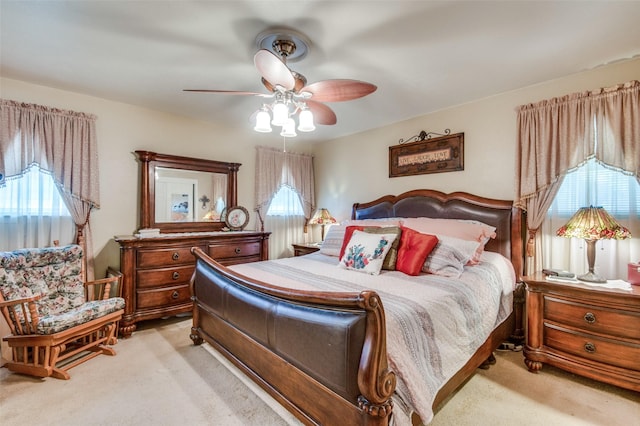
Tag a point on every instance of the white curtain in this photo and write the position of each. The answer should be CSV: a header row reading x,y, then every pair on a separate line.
x,y
32,212
274,169
286,223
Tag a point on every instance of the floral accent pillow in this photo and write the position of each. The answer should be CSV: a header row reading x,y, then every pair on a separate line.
x,y
348,232
392,257
366,252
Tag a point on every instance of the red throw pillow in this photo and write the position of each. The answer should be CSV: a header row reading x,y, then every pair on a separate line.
x,y
413,250
348,232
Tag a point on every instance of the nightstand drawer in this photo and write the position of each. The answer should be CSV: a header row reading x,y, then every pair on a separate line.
x,y
591,318
625,355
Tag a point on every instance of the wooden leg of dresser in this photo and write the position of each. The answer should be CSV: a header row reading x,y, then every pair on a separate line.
x,y
533,366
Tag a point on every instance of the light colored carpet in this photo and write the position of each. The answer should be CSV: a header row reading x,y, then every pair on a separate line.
x,y
160,378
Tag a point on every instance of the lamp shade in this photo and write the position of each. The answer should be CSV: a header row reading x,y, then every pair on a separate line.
x,y
593,223
322,217
280,114
289,129
305,119
262,122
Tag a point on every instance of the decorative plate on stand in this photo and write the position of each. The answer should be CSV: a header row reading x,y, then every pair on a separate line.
x,y
236,218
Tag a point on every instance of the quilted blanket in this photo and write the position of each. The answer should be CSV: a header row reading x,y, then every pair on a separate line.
x,y
434,324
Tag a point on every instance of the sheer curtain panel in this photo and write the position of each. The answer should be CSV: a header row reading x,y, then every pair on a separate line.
x,y
32,213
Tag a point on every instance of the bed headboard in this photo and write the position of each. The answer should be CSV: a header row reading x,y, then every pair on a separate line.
x,y
456,205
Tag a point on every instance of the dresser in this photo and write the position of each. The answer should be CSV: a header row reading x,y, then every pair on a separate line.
x,y
157,271
585,329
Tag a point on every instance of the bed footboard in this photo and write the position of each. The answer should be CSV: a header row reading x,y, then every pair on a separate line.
x,y
321,355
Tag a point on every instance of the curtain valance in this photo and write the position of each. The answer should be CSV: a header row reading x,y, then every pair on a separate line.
x,y
560,134
59,141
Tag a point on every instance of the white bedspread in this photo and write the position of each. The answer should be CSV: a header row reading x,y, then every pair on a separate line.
x,y
434,324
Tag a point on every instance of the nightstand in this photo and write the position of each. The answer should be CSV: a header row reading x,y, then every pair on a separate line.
x,y
305,248
585,329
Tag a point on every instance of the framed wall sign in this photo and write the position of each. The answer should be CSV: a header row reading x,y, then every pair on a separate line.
x,y
427,155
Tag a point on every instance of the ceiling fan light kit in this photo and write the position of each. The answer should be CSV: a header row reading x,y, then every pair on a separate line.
x,y
289,90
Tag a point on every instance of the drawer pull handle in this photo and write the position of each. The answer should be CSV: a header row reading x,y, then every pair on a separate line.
x,y
175,256
175,275
590,347
590,317
238,250
175,295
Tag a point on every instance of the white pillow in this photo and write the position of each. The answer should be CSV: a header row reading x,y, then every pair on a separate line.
x,y
450,255
366,252
457,228
333,240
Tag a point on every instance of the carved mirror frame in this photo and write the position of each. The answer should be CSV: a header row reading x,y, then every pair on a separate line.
x,y
150,161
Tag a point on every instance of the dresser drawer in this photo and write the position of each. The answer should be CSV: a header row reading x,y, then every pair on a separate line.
x,y
232,249
164,297
592,318
166,276
165,257
620,354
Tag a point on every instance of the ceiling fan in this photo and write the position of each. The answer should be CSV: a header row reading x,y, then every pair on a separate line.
x,y
289,90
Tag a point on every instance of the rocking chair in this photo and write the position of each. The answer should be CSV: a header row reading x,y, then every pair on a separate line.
x,y
54,323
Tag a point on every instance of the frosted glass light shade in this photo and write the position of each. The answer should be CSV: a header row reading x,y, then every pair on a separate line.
x,y
262,122
289,129
280,114
306,121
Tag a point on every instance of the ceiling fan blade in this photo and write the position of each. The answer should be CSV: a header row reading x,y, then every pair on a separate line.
x,y
228,92
322,114
339,90
272,69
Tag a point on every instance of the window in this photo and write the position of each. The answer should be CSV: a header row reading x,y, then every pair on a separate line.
x,y
286,202
32,194
596,185
32,212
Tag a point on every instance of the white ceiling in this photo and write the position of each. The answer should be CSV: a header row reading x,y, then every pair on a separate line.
x,y
423,55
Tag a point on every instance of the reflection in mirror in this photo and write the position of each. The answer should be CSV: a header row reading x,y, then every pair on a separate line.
x,y
183,194
189,196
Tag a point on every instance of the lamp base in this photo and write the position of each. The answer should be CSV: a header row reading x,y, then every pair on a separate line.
x,y
592,278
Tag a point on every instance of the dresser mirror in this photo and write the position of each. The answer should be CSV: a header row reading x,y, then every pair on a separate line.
x,y
182,194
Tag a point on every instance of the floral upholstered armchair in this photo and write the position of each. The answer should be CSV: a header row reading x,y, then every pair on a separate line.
x,y
57,321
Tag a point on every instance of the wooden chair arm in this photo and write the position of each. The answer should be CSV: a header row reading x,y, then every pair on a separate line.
x,y
16,310
107,283
14,302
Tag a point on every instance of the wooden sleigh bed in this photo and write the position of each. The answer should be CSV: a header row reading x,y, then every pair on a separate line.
x,y
323,355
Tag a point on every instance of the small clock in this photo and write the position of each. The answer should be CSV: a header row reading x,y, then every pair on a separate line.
x,y
236,218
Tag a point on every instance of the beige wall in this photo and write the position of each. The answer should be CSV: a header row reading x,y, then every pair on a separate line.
x,y
123,128
355,168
